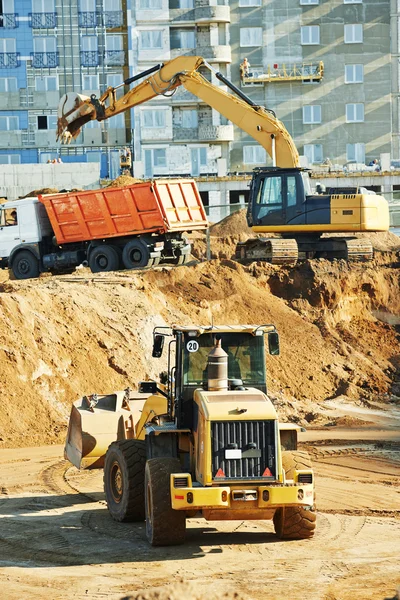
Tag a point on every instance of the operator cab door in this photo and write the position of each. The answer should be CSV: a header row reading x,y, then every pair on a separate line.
x,y
9,231
280,200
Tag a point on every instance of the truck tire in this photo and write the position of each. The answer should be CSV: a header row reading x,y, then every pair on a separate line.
x,y
294,522
164,525
136,255
25,265
124,480
103,259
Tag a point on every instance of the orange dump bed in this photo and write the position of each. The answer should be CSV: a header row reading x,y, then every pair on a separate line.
x,y
149,207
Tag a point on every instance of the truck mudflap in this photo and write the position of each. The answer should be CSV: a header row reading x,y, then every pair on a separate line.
x,y
247,497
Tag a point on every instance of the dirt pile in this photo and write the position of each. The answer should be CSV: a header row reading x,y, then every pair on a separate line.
x,y
62,337
124,180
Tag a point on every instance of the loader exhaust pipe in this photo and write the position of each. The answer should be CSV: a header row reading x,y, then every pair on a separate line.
x,y
217,368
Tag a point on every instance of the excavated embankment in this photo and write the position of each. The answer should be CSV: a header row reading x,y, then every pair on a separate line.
x,y
61,337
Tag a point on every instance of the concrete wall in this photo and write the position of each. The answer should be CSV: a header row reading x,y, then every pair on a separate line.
x,y
19,180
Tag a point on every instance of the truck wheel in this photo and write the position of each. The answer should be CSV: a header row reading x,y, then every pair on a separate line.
x,y
25,265
103,258
164,525
136,255
294,522
124,480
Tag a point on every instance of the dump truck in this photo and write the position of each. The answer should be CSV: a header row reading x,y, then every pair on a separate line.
x,y
204,439
136,226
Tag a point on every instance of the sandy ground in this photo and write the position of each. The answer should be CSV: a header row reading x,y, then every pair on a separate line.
x,y
58,541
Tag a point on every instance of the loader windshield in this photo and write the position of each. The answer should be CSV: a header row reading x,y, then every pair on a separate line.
x,y
246,358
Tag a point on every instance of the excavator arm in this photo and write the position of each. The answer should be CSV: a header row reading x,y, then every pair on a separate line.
x,y
76,110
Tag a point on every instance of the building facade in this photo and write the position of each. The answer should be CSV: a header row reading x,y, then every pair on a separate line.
x,y
351,114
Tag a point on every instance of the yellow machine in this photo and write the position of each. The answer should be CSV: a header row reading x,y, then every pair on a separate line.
x,y
205,439
281,200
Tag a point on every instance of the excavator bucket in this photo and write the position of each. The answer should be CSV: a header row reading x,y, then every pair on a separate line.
x,y
74,111
97,421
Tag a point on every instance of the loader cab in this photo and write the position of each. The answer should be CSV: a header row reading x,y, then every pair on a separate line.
x,y
277,197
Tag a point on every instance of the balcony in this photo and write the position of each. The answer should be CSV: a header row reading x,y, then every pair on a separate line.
x,y
90,58
10,100
87,19
216,133
114,58
113,19
8,21
44,60
43,20
182,15
11,139
9,60
212,14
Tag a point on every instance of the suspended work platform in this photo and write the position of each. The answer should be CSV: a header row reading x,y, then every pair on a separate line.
x,y
281,73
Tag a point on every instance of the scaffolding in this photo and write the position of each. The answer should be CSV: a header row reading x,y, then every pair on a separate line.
x,y
282,73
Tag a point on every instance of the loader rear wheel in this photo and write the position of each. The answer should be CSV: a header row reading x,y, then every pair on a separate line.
x,y
294,522
136,255
164,525
103,259
25,265
124,480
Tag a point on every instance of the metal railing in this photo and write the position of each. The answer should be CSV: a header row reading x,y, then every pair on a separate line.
x,y
43,20
114,57
41,60
9,60
87,19
8,20
113,18
90,58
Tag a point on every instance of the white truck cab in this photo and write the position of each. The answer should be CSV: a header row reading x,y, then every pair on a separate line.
x,y
23,225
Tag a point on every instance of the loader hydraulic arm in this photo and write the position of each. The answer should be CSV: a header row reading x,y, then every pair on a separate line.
x,y
261,124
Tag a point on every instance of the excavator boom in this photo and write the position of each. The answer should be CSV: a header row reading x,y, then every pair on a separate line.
x,y
75,110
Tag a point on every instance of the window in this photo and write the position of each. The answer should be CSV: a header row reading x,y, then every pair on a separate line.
x,y
304,2
354,73
312,114
151,39
189,119
153,118
249,2
150,4
91,82
112,5
10,159
185,38
251,36
44,44
93,157
87,5
154,158
8,84
114,42
355,152
47,122
43,6
7,45
254,155
313,152
117,122
89,43
198,159
47,83
9,123
353,34
310,35
291,191
354,113
114,81
270,191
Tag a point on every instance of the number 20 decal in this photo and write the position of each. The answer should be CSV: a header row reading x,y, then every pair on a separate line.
x,y
192,346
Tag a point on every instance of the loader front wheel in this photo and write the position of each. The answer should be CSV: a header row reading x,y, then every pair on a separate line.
x,y
294,522
124,480
164,525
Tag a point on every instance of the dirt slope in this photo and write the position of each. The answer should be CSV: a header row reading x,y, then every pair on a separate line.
x,y
61,337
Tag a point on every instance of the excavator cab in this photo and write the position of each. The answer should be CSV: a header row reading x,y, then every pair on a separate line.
x,y
278,197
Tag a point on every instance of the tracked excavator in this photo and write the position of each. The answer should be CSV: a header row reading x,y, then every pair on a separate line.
x,y
281,200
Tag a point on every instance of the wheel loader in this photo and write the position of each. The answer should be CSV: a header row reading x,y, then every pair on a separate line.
x,y
204,439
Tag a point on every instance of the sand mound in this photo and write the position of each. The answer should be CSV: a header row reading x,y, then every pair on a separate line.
x,y
124,180
234,224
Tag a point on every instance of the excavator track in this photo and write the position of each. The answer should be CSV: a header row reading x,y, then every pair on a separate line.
x,y
276,251
359,250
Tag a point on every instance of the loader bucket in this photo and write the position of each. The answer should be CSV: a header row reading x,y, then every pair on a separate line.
x,y
94,425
